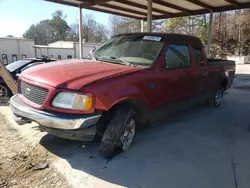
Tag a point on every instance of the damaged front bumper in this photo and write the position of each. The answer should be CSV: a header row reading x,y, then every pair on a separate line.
x,y
69,126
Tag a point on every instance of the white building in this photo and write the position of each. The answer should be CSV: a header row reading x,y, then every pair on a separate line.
x,y
13,49
240,59
63,49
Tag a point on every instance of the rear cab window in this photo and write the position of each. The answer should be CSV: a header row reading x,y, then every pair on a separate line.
x,y
177,55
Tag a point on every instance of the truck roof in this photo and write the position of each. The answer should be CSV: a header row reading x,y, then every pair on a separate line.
x,y
159,34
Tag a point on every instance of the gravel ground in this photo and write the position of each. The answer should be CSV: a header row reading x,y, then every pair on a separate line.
x,y
24,165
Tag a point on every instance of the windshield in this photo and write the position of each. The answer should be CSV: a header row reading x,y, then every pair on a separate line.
x,y
130,49
17,64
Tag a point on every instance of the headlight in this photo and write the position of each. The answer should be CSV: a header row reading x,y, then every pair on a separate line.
x,y
73,101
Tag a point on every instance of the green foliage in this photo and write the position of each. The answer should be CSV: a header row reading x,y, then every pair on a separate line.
x,y
57,28
50,30
10,36
59,25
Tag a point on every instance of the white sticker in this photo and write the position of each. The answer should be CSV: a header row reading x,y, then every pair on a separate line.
x,y
154,38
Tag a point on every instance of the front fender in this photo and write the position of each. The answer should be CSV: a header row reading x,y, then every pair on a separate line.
x,y
118,94
125,93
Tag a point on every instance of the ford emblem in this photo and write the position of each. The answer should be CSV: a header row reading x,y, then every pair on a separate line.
x,y
27,91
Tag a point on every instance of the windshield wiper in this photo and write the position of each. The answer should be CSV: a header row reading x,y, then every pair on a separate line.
x,y
120,61
91,57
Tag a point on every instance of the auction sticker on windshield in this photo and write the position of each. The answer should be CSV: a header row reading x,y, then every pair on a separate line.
x,y
154,38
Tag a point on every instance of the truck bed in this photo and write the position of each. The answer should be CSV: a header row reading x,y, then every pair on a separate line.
x,y
220,62
227,66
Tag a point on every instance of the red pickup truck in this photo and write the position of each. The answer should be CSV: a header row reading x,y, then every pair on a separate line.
x,y
131,80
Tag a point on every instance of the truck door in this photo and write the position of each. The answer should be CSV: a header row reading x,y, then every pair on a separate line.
x,y
200,71
175,80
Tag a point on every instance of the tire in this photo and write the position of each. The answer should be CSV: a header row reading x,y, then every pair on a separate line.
x,y
119,133
4,91
216,99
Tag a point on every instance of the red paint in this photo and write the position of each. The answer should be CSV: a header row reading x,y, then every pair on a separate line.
x,y
111,83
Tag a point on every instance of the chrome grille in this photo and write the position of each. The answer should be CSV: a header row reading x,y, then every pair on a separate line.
x,y
33,93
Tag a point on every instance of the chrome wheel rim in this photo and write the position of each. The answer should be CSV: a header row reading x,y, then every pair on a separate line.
x,y
218,97
3,91
128,135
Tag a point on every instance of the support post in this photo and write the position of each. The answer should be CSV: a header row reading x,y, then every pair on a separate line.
x,y
142,25
80,32
149,16
209,38
8,79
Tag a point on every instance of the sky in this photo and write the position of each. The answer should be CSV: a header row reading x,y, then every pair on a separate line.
x,y
16,16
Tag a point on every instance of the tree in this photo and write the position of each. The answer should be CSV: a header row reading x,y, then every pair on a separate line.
x,y
123,25
73,33
50,30
190,25
59,25
10,36
41,33
231,33
92,31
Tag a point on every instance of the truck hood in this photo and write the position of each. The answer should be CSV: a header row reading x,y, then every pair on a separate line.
x,y
74,74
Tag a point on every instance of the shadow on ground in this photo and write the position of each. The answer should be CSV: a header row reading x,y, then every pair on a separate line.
x,y
201,147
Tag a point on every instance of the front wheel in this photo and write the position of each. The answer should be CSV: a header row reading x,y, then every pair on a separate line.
x,y
119,134
216,99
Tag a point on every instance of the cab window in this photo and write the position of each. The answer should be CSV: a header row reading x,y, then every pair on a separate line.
x,y
177,55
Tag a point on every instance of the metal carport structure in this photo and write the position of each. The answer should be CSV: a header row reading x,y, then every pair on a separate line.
x,y
148,10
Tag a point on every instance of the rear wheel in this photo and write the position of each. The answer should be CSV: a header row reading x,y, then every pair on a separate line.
x,y
216,99
119,134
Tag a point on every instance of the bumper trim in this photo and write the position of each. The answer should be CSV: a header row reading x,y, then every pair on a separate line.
x,y
52,119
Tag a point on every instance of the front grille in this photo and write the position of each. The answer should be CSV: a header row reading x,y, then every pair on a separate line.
x,y
33,93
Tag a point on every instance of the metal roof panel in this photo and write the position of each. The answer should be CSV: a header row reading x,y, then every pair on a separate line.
x,y
161,8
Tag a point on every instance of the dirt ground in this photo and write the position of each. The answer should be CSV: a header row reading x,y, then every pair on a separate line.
x,y
22,165
201,148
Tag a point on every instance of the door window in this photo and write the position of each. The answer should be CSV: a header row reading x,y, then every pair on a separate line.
x,y
177,55
59,57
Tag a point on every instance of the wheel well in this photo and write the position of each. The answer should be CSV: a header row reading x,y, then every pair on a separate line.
x,y
139,107
224,83
141,114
